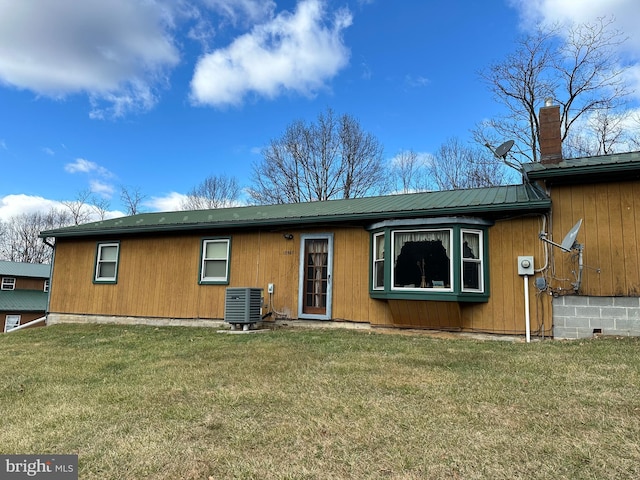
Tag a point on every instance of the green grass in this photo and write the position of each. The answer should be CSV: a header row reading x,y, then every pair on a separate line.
x,y
188,403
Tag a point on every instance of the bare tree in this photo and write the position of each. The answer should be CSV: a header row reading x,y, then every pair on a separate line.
x,y
215,191
577,67
408,172
603,133
79,208
456,166
100,206
20,242
132,198
332,158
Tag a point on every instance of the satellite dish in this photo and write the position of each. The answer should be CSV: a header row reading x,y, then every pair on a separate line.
x,y
502,150
570,238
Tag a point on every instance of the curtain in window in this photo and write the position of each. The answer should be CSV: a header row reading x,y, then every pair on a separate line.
x,y
471,261
318,256
470,245
422,259
378,262
402,238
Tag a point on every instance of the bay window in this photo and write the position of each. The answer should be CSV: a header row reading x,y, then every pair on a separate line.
x,y
430,259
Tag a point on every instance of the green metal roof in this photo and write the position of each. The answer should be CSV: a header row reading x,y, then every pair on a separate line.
x,y
622,165
23,301
478,201
17,269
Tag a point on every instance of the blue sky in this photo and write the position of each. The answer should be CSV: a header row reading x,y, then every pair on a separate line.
x,y
159,94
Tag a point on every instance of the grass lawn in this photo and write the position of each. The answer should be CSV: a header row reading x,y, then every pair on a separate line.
x,y
189,403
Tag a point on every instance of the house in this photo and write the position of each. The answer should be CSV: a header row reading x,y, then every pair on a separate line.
x,y
24,291
449,260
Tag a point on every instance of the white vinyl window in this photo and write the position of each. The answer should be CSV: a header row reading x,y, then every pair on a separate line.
x,y
46,285
472,268
107,263
215,261
378,261
8,283
11,322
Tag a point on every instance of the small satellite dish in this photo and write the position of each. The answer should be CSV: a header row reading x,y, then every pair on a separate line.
x,y
570,238
503,150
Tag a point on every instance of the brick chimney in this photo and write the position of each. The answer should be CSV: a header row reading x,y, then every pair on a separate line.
x,y
550,139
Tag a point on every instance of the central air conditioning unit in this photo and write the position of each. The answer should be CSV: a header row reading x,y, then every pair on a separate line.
x,y
242,307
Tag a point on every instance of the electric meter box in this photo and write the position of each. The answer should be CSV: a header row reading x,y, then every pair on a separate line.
x,y
525,265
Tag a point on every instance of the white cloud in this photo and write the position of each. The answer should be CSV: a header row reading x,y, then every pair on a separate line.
x,y
292,52
168,203
3,144
48,151
14,205
117,52
85,166
416,82
243,11
103,189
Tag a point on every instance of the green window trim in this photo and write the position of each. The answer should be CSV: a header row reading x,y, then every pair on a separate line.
x,y
215,259
106,263
463,267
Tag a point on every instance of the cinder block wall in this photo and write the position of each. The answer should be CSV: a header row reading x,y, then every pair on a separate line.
x,y
581,316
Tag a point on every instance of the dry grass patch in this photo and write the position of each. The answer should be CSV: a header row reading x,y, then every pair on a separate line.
x,y
186,403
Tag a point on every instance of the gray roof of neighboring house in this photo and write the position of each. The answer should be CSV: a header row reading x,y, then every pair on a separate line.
x,y
17,269
23,301
478,201
620,165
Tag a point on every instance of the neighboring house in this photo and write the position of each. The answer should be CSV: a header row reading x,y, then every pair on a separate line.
x,y
24,291
440,260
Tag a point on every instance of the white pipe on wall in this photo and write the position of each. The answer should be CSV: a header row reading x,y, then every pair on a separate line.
x,y
526,308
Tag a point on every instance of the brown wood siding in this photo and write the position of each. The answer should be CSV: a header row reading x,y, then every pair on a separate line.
x,y
426,314
158,277
610,234
505,312
24,283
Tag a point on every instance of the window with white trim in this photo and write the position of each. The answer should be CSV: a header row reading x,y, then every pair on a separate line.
x,y
107,263
472,261
378,261
8,283
215,260
46,285
11,322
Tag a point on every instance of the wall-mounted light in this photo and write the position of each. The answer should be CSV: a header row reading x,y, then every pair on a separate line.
x,y
288,236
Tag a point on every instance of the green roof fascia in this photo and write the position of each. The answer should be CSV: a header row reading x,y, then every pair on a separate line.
x,y
23,301
616,164
489,200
